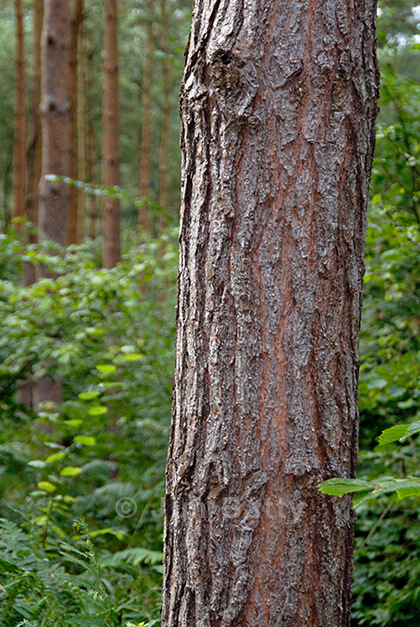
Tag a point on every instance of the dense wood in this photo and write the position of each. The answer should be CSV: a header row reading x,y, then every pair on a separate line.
x,y
111,143
73,213
55,119
146,131
19,152
278,104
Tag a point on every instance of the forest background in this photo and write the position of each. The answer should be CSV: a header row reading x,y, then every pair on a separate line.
x,y
82,478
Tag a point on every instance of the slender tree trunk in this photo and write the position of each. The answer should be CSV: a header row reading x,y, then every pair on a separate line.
x,y
145,141
34,148
94,230
55,122
19,169
55,119
76,21
166,114
111,149
278,104
82,136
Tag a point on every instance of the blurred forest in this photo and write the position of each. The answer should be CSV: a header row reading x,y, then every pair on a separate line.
x,y
88,266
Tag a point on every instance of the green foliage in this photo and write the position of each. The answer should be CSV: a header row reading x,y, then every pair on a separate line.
x,y
100,455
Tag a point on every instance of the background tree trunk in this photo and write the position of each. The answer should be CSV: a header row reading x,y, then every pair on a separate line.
x,y
111,146
55,118
166,114
278,106
146,131
73,214
19,157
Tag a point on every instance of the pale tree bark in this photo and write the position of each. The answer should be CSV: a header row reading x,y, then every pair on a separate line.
x,y
111,143
278,104
146,130
73,213
55,123
19,153
55,119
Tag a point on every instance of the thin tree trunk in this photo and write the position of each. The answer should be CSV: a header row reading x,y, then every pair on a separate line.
x,y
34,148
55,122
94,230
19,169
55,119
76,21
166,114
278,104
81,136
111,150
145,141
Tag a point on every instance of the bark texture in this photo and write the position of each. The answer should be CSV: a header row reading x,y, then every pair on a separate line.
x,y
19,156
55,119
111,140
278,105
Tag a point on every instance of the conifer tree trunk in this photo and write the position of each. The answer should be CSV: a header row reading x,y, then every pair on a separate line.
x,y
82,171
76,21
19,156
34,148
145,140
111,149
55,119
166,113
278,104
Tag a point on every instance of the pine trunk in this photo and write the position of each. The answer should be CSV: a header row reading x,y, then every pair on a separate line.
x,y
278,104
55,119
166,113
145,140
19,156
76,21
111,150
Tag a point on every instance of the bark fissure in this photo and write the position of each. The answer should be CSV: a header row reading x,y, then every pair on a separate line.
x,y
278,110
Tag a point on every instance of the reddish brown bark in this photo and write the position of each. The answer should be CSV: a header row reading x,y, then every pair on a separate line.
x,y
55,118
111,145
166,113
19,156
278,104
145,141
76,22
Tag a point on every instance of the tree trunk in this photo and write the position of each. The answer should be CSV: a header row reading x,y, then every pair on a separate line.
x,y
34,148
145,139
278,104
76,21
111,149
20,121
55,118
166,113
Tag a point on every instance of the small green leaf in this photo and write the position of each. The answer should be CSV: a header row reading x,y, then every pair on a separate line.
x,y
87,440
70,471
54,457
75,422
412,491
106,368
37,463
47,486
133,357
413,428
88,396
340,487
97,410
393,434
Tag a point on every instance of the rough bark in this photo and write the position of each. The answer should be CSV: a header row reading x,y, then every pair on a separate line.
x,y
73,213
278,104
55,119
111,145
19,153
145,139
